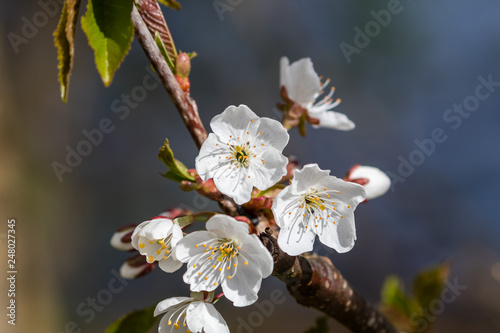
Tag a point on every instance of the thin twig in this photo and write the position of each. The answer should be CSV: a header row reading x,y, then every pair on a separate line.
x,y
185,105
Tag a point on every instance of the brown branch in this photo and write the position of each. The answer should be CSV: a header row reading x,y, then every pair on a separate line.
x,y
315,282
183,102
312,280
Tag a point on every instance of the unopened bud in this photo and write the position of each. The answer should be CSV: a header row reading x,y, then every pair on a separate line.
x,y
122,238
136,267
172,213
375,181
183,65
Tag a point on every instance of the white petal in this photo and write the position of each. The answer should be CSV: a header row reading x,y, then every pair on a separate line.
x,y
177,235
208,162
308,176
273,134
350,193
169,265
234,183
135,239
300,79
235,120
130,272
157,229
203,317
257,254
332,119
169,302
227,227
295,239
186,247
339,236
268,168
243,287
378,182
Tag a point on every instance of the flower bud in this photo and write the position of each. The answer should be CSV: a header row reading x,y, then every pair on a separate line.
x,y
172,213
183,65
136,267
121,239
375,182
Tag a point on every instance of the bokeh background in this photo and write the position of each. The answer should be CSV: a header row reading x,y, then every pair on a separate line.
x,y
396,90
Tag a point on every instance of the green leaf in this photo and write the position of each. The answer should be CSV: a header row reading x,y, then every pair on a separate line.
x,y
178,171
171,3
140,321
64,40
164,52
109,29
394,297
429,284
320,327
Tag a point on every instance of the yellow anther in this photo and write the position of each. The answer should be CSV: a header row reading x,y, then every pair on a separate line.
x,y
199,273
194,266
206,278
161,242
235,265
167,251
229,278
158,252
260,132
165,258
220,269
196,245
142,245
151,242
348,206
150,258
204,245
246,262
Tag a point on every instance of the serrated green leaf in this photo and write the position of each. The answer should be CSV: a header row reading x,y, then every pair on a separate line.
x,y
64,40
140,321
109,29
171,3
320,327
429,284
178,171
394,297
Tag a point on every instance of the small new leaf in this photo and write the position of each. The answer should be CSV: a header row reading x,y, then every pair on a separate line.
x,y
164,52
394,297
177,171
109,29
64,40
171,3
140,321
429,284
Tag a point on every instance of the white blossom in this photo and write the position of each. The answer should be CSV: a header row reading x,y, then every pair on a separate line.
x,y
155,239
374,180
242,152
317,204
225,255
304,86
194,314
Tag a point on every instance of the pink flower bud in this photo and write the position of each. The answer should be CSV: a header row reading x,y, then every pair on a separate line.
x,y
121,239
136,267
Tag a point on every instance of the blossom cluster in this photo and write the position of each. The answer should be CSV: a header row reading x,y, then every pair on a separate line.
x,y
243,158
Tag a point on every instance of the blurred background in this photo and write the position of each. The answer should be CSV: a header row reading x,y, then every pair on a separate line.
x,y
397,89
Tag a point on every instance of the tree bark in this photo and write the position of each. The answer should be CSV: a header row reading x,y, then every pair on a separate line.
x,y
312,280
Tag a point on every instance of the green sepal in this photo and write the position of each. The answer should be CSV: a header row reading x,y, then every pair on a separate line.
x,y
171,4
177,171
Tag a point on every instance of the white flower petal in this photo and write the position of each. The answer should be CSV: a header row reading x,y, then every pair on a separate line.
x,y
135,239
164,305
257,254
203,317
339,236
308,176
268,169
296,240
234,183
243,287
130,272
117,242
157,229
273,134
207,162
235,120
300,79
332,119
169,264
186,247
227,227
